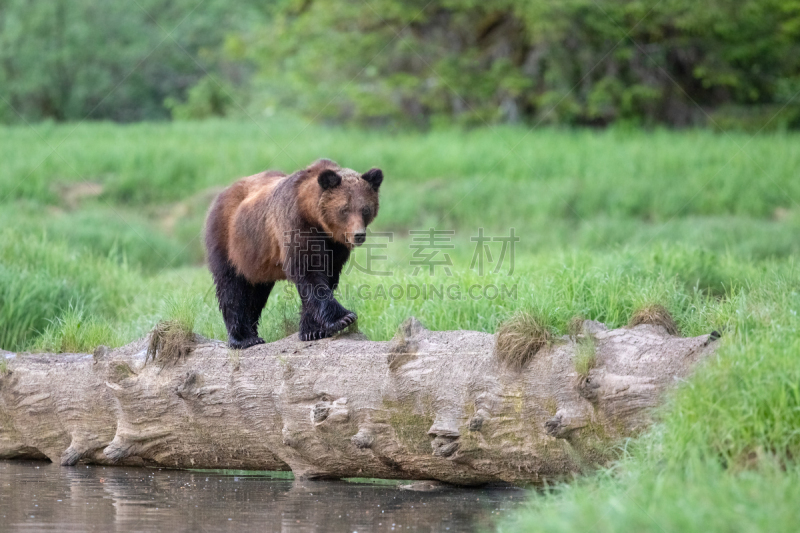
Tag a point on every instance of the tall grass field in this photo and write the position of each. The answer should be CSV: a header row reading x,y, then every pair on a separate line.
x,y
101,238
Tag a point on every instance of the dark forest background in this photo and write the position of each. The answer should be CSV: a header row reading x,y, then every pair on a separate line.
x,y
719,63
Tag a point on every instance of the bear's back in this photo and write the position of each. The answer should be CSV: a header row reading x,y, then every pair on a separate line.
x,y
255,227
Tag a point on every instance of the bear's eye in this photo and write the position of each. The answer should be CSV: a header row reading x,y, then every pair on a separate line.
x,y
365,212
343,211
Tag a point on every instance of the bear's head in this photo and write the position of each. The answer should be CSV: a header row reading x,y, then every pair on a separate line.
x,y
347,202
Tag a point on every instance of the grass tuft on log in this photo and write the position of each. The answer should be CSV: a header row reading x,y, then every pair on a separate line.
x,y
520,337
655,315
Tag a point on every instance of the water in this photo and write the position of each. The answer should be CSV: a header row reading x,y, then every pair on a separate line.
x,y
39,496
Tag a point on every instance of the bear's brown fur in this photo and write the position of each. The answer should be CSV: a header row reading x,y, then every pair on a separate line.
x,y
301,227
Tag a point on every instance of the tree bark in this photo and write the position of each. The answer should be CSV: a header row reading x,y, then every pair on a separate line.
x,y
426,405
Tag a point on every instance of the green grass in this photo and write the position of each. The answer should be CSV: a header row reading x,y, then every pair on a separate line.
x,y
702,224
703,498
586,188
585,356
605,286
75,332
41,279
575,174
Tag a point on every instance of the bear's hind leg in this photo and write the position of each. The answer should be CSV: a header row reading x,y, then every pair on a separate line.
x,y
236,298
261,293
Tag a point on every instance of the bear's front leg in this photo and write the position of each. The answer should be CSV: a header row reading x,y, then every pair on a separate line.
x,y
310,328
322,315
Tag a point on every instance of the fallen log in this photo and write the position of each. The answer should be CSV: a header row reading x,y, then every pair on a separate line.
x,y
436,405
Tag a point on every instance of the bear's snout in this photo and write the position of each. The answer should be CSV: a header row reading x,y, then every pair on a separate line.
x,y
360,237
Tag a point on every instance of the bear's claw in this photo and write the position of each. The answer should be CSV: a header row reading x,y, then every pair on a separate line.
x,y
246,343
343,322
332,329
314,335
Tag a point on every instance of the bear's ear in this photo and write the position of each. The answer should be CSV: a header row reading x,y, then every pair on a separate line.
x,y
374,177
328,179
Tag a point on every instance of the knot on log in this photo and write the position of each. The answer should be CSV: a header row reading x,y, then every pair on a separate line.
x,y
713,337
118,450
185,388
71,456
445,437
405,345
363,439
476,423
445,446
100,352
552,425
320,412
330,412
411,327
564,423
589,387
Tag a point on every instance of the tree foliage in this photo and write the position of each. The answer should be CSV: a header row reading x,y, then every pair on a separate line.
x,y
679,62
73,59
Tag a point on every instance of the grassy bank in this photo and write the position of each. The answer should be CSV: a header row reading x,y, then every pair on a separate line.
x,y
582,188
100,241
723,455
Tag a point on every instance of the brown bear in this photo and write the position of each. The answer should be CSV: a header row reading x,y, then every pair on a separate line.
x,y
301,227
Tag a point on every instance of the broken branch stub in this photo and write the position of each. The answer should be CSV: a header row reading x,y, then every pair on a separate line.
x,y
426,405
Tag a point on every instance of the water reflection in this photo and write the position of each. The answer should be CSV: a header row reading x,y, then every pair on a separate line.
x,y
36,496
